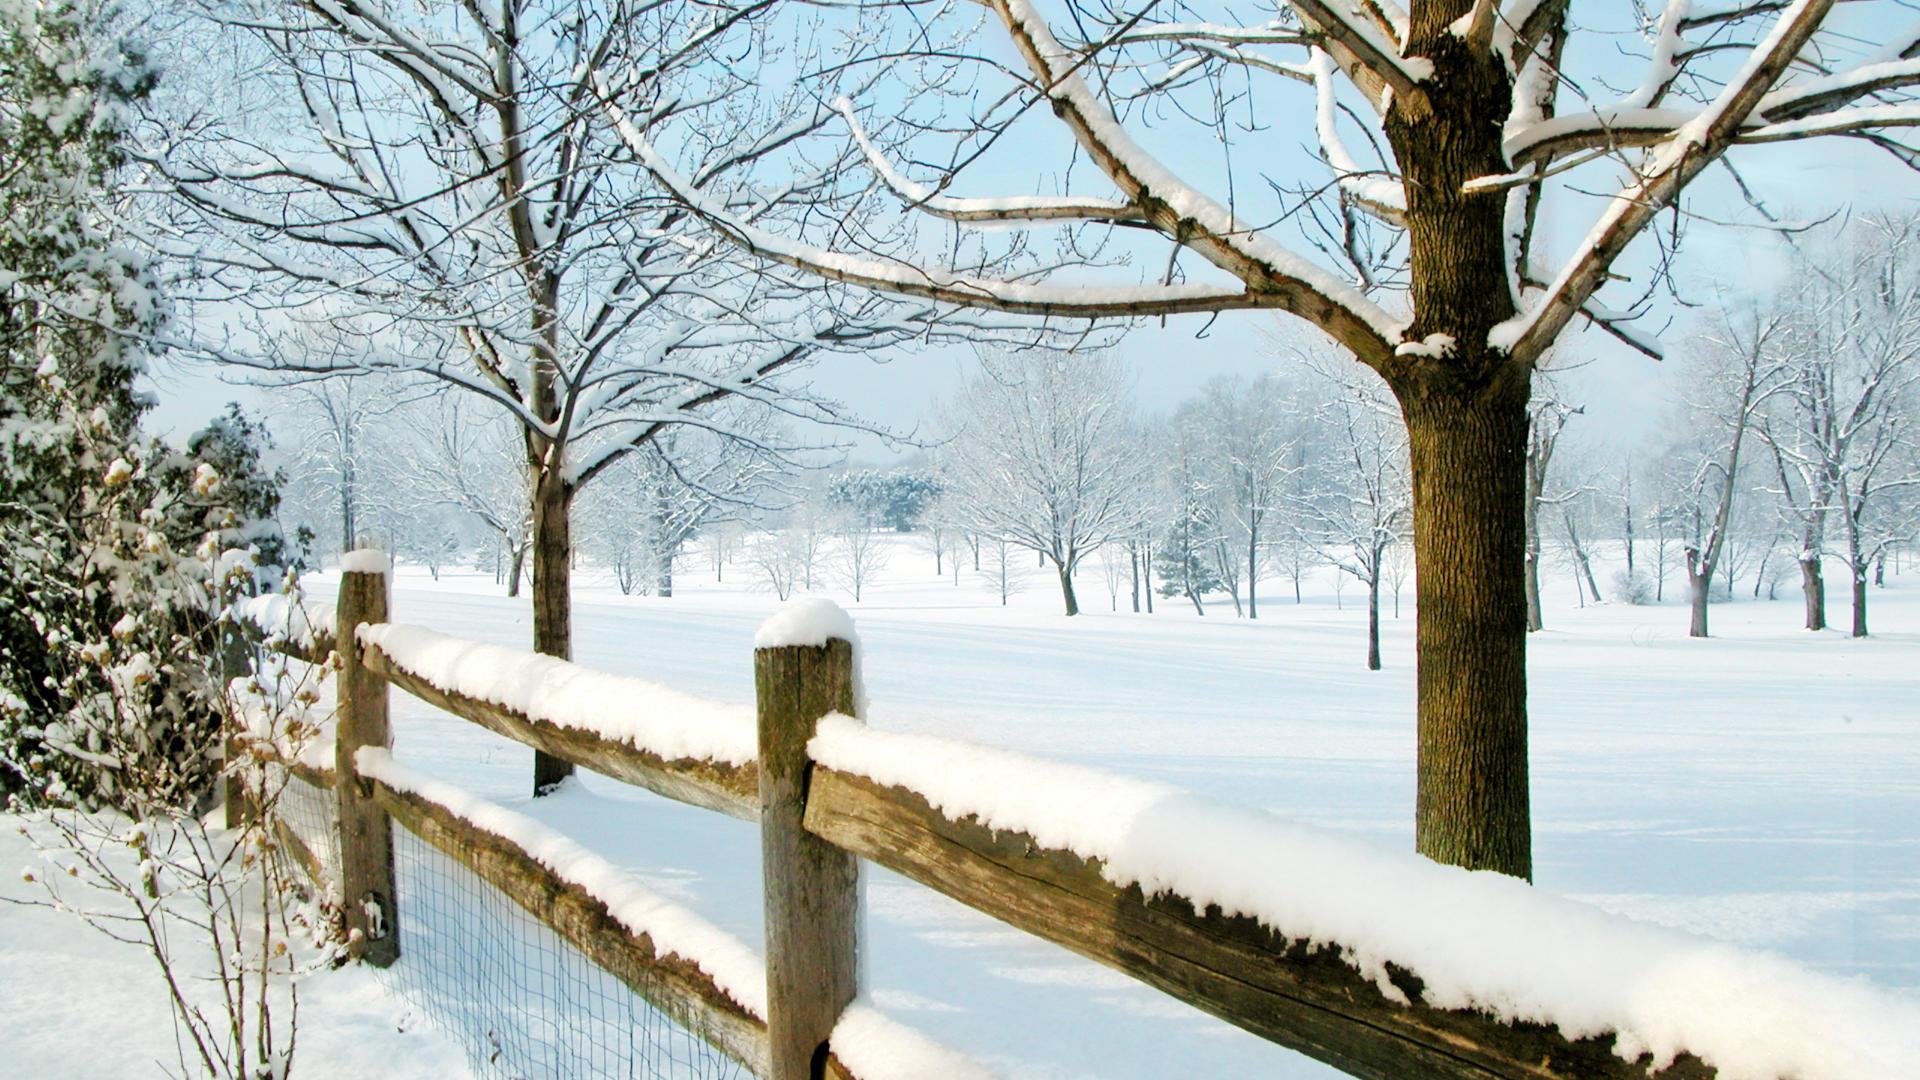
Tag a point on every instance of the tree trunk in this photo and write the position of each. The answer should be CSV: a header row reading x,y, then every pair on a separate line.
x,y
1813,585
552,598
1066,588
1253,572
1133,563
516,568
1467,445
1373,621
1146,574
1857,571
1531,583
1698,584
1581,560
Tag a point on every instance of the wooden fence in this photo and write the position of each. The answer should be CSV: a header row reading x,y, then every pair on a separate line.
x,y
816,823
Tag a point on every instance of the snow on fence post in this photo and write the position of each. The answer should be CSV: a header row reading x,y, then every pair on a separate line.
x,y
803,670
366,897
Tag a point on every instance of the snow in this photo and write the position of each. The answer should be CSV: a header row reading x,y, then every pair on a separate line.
x,y
650,717
100,1009
808,620
877,1047
366,561
1433,346
1477,940
1755,788
874,1045
285,618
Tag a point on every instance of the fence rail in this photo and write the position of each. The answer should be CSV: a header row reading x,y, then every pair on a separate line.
x,y
816,820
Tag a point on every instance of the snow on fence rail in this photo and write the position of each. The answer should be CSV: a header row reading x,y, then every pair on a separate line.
x,y
1384,965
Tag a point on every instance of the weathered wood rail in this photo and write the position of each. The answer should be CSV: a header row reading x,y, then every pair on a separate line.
x,y
816,821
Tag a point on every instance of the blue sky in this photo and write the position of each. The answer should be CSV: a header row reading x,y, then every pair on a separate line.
x,y
1625,393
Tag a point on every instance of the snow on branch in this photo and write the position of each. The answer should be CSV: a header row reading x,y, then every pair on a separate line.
x,y
1695,144
933,283
1017,208
1380,195
1474,940
1364,51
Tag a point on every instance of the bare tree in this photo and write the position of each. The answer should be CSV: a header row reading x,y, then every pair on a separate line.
x,y
858,553
1251,427
1737,371
1461,104
1547,416
1840,430
471,463
1359,499
1045,457
444,175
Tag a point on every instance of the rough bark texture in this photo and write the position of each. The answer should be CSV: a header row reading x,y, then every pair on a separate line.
x,y
1466,416
366,900
1468,451
1699,584
812,889
552,599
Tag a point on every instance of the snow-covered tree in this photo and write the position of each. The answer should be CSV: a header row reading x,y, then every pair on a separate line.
x,y
656,501
1842,428
116,552
1251,428
1046,457
1357,502
1444,127
437,183
1736,369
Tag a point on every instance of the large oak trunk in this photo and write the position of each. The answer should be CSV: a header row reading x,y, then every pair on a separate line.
x,y
1468,451
552,598
1466,414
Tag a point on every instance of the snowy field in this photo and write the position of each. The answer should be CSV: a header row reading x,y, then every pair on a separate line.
x,y
1762,787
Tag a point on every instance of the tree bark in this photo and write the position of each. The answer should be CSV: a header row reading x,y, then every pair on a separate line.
x,y
1467,445
1373,620
1253,572
516,569
552,597
1066,589
1133,562
1698,585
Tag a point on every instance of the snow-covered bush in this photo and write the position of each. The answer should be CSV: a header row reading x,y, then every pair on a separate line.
x,y
1634,588
115,550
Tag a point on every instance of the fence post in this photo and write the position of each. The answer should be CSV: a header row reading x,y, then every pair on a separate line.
x,y
812,888
367,899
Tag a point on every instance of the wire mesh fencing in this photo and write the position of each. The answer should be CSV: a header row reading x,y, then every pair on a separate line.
x,y
520,999
309,814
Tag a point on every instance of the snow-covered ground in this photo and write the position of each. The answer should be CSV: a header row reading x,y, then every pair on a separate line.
x,y
1762,786
80,1005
